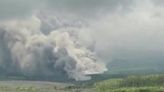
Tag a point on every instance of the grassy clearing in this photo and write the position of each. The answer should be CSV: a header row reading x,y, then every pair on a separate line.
x,y
32,86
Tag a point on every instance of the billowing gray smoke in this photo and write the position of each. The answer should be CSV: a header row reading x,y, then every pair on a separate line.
x,y
77,38
33,51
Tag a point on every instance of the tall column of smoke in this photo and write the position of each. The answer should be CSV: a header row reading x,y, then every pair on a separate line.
x,y
33,52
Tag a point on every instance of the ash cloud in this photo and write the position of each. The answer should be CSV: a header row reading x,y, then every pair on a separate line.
x,y
78,38
35,53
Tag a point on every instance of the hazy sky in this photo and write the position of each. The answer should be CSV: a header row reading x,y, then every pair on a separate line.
x,y
20,8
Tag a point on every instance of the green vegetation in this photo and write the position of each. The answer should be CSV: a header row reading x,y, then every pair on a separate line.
x,y
39,86
149,83
137,83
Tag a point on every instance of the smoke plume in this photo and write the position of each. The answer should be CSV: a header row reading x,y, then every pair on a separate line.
x,y
78,38
34,52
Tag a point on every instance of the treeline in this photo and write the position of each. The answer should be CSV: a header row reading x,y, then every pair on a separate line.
x,y
140,81
131,82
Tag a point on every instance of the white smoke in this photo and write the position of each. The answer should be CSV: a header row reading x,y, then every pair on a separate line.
x,y
36,53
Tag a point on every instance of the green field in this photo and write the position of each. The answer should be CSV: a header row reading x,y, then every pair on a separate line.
x,y
137,83
148,83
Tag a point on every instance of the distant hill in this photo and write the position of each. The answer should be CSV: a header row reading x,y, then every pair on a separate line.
x,y
135,67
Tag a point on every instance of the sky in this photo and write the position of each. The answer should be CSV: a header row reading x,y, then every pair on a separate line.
x,y
67,35
21,8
